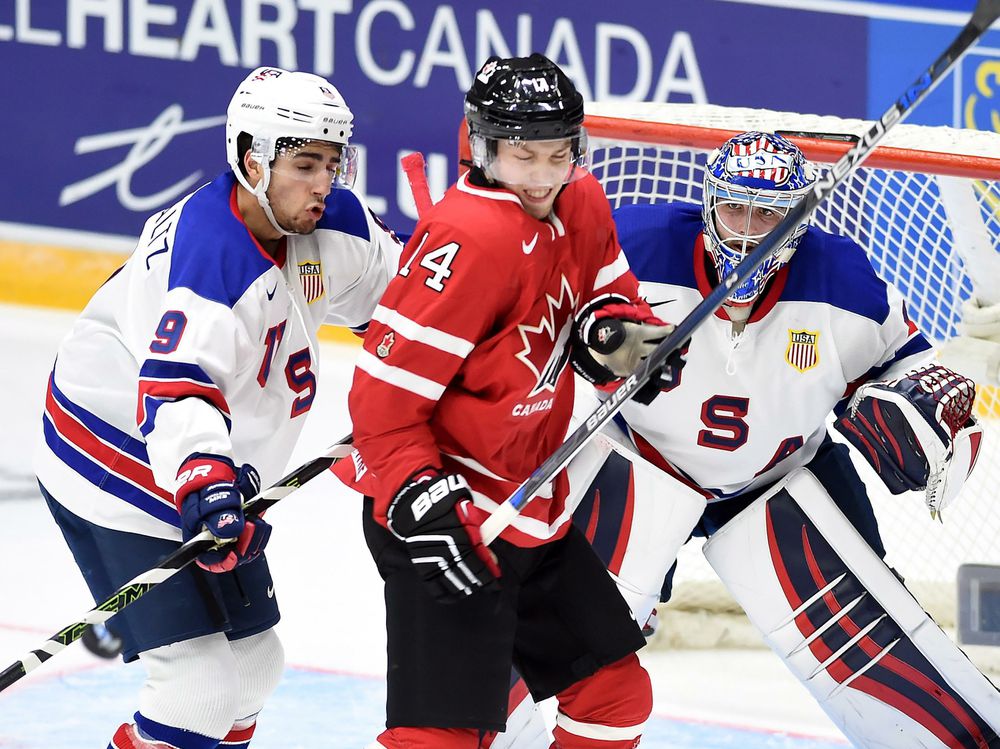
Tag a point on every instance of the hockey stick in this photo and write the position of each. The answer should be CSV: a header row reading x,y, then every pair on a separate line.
x,y
986,12
413,167
169,566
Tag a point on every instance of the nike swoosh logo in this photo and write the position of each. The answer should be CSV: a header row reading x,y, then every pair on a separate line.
x,y
270,294
658,304
528,247
270,591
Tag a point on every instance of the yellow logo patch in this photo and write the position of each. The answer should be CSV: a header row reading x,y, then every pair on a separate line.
x,y
803,349
311,276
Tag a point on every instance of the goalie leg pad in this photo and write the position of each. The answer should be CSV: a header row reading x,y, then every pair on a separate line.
x,y
846,626
637,517
526,727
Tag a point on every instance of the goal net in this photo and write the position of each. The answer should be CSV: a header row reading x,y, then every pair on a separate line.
x,y
926,207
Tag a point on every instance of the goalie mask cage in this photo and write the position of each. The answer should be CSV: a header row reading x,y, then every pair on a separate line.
x,y
926,208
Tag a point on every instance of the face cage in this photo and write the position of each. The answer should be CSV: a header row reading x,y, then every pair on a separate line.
x,y
484,156
728,253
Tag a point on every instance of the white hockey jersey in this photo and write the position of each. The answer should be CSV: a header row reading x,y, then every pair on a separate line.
x,y
201,343
749,409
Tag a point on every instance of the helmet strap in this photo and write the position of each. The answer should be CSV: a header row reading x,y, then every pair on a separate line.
x,y
260,192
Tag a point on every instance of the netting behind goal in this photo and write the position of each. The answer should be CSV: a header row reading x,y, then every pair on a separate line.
x,y
926,207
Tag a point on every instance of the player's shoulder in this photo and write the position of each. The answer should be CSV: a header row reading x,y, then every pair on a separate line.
x,y
642,218
491,218
213,253
833,269
584,198
346,213
658,240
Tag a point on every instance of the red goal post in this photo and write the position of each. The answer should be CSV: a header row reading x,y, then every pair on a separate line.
x,y
926,207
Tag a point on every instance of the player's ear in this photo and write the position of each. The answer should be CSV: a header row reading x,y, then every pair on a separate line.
x,y
252,167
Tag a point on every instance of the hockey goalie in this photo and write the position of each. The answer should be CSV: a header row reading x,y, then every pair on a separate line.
x,y
790,526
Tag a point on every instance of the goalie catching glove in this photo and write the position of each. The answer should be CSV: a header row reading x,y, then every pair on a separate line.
x,y
613,336
210,494
917,432
431,515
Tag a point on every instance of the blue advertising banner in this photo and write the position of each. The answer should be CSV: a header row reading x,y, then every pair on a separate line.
x,y
114,109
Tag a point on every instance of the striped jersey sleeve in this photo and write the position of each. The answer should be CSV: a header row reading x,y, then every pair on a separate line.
x,y
430,319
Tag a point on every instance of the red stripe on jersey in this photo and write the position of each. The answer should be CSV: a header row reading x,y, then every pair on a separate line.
x,y
650,453
911,327
114,460
174,390
282,251
239,735
763,305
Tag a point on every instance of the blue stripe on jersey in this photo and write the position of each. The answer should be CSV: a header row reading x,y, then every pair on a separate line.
x,y
177,737
150,406
213,254
100,428
158,369
913,347
658,241
108,482
916,345
344,213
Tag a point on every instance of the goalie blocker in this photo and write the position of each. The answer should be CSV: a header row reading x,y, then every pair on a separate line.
x,y
846,626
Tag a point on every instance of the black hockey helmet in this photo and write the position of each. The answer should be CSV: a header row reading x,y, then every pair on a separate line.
x,y
523,99
527,98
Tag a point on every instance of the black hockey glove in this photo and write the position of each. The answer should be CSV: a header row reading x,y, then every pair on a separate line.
x,y
431,514
613,336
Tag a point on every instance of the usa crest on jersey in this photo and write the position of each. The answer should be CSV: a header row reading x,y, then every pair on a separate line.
x,y
803,350
312,281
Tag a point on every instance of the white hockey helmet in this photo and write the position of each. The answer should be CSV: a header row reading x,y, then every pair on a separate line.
x,y
272,104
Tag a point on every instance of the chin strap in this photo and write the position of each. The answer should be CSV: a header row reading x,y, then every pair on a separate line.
x,y
260,192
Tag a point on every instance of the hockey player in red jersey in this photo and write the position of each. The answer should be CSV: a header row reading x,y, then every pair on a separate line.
x,y
461,391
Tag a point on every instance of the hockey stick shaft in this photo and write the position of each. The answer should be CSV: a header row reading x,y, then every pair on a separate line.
x,y
169,566
985,14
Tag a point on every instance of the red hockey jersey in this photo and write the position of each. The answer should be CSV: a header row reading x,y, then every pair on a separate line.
x,y
464,365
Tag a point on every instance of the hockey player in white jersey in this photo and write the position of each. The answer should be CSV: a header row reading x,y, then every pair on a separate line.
x,y
814,331
185,383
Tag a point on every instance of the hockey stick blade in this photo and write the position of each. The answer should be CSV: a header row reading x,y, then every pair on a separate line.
x,y
170,565
986,12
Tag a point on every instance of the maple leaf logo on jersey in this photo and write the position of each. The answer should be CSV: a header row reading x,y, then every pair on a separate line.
x,y
545,351
385,345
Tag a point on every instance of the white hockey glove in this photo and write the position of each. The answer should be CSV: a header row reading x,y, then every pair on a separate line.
x,y
976,352
611,339
918,432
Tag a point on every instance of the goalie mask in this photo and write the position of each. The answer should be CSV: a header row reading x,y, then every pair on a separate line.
x,y
524,99
282,111
750,185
